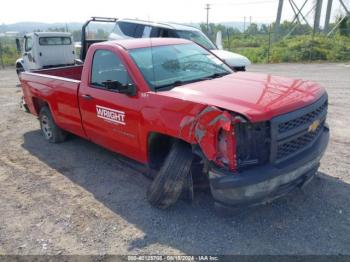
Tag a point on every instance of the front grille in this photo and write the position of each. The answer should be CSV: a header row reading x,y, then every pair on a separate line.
x,y
305,119
290,147
291,134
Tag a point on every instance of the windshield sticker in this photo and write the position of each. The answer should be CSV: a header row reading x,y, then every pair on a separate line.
x,y
109,114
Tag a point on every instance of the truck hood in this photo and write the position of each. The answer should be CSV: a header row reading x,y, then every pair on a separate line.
x,y
233,59
259,97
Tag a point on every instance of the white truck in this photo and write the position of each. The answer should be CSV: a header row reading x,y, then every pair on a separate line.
x,y
134,28
44,50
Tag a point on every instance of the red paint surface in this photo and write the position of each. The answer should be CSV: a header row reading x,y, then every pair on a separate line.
x,y
259,97
72,72
204,129
176,113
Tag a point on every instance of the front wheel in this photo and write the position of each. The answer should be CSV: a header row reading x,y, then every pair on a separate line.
x,y
49,129
170,180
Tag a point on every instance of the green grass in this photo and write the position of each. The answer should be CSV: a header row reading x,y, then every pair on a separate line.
x,y
9,56
8,51
295,49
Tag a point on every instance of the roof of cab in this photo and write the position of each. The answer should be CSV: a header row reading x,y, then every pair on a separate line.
x,y
146,42
175,26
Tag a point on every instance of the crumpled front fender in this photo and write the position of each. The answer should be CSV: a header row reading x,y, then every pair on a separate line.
x,y
213,130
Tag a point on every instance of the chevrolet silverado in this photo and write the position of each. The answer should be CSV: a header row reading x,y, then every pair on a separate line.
x,y
180,112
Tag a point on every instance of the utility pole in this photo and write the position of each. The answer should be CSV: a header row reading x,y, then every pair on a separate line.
x,y
317,16
207,8
278,19
250,20
328,16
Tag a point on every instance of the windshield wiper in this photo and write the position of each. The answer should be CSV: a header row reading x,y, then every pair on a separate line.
x,y
172,84
179,82
216,75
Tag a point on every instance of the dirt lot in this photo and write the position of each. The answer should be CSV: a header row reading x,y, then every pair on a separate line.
x,y
77,198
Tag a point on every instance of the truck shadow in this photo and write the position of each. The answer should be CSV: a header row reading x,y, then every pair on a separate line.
x,y
313,221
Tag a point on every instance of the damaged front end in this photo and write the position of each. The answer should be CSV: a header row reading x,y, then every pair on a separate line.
x,y
213,130
243,160
226,139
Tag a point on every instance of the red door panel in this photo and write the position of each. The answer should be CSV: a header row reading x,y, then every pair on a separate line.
x,y
110,119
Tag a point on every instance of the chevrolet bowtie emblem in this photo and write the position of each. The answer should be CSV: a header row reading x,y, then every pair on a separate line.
x,y
313,127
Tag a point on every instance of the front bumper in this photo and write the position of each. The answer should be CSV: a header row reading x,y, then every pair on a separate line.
x,y
264,183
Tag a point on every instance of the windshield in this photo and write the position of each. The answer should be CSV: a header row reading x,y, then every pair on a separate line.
x,y
173,65
198,37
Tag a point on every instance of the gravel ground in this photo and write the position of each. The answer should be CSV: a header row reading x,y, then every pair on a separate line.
x,y
77,198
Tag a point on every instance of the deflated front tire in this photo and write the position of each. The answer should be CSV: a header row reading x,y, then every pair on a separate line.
x,y
170,180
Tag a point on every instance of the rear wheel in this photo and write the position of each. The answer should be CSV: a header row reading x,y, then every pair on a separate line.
x,y
171,178
49,129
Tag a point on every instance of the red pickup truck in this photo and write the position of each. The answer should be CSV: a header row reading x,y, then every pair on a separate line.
x,y
181,112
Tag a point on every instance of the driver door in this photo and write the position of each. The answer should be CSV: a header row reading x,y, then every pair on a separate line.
x,y
110,119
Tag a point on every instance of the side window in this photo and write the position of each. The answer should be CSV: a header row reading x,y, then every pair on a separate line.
x,y
128,28
139,31
163,32
108,69
155,32
168,33
29,44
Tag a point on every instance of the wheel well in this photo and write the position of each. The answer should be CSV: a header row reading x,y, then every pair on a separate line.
x,y
158,148
38,104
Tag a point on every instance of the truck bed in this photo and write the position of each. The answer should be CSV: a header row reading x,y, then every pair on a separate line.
x,y
60,86
70,72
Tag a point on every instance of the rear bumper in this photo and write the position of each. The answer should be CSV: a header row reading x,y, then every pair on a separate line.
x,y
265,183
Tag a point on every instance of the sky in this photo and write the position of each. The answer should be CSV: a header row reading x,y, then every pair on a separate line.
x,y
184,11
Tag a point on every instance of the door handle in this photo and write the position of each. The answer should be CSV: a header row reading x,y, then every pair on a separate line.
x,y
86,97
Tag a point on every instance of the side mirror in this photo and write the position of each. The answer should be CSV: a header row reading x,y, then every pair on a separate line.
x,y
219,40
128,89
18,45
